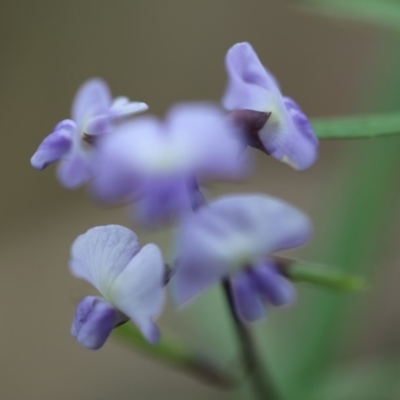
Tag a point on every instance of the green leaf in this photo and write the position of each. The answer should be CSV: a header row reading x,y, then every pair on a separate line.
x,y
320,275
171,352
357,127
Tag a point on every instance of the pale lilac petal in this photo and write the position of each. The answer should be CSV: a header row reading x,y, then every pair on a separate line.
x,y
247,300
147,156
93,322
100,254
138,291
118,163
214,144
290,138
154,149
162,200
100,125
250,85
74,170
114,185
195,272
181,145
258,223
231,233
204,253
122,107
272,285
92,99
55,146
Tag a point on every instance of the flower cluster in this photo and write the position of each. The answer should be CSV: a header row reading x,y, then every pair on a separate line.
x,y
158,167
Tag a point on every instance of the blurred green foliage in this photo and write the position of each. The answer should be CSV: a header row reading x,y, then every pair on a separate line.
x,y
305,368
385,13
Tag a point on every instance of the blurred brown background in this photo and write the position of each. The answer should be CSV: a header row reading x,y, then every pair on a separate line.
x,y
159,52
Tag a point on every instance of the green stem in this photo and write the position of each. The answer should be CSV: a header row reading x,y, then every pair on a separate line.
x,y
263,387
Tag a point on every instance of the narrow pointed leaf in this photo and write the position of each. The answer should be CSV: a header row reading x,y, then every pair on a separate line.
x,y
357,127
320,275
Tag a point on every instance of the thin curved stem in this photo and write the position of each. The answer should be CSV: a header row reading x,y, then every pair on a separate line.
x,y
263,386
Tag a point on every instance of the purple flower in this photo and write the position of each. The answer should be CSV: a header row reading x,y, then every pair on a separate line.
x,y
158,163
233,237
93,112
287,135
130,280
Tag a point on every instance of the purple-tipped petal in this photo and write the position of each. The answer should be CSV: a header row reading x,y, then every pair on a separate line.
x,y
93,322
100,254
289,137
74,171
272,285
55,146
138,291
92,99
250,85
232,233
132,280
247,300
122,107
93,114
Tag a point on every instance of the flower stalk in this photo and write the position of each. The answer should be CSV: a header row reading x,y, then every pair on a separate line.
x,y
262,382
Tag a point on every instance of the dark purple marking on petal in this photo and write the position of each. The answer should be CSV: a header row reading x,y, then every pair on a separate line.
x,y
251,122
